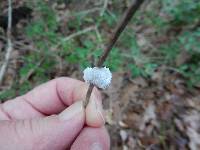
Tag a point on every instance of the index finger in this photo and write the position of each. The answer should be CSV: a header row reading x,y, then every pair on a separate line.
x,y
52,98
55,95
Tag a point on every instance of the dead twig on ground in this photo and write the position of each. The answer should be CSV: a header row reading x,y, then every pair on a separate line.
x,y
86,12
81,13
105,4
9,43
31,71
73,35
78,33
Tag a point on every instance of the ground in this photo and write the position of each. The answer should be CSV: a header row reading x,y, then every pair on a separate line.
x,y
153,101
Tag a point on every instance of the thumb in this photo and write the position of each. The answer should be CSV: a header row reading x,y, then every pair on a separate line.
x,y
49,133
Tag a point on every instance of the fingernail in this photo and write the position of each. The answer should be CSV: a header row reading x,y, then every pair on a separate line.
x,y
97,112
96,146
72,111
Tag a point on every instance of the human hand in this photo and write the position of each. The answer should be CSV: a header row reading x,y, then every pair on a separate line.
x,y
52,117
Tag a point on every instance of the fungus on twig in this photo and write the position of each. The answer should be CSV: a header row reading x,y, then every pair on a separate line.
x,y
100,77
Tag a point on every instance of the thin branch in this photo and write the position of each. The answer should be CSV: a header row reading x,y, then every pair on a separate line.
x,y
85,12
105,4
31,71
98,34
120,27
73,35
81,13
88,94
78,33
9,43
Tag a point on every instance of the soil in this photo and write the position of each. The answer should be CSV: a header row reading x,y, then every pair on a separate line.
x,y
157,113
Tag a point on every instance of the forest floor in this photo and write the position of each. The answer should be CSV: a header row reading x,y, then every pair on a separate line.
x,y
155,113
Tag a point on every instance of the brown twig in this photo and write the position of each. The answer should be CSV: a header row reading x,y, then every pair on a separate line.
x,y
9,43
135,5
73,35
88,94
105,5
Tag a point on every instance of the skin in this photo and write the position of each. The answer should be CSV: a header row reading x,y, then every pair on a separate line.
x,y
51,117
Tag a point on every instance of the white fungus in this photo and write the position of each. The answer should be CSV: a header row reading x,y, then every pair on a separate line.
x,y
101,77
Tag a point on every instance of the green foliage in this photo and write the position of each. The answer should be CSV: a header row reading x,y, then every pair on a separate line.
x,y
8,94
40,62
181,18
182,11
190,41
187,41
192,72
114,62
177,21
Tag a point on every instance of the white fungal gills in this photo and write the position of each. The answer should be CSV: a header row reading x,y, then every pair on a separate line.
x,y
101,77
